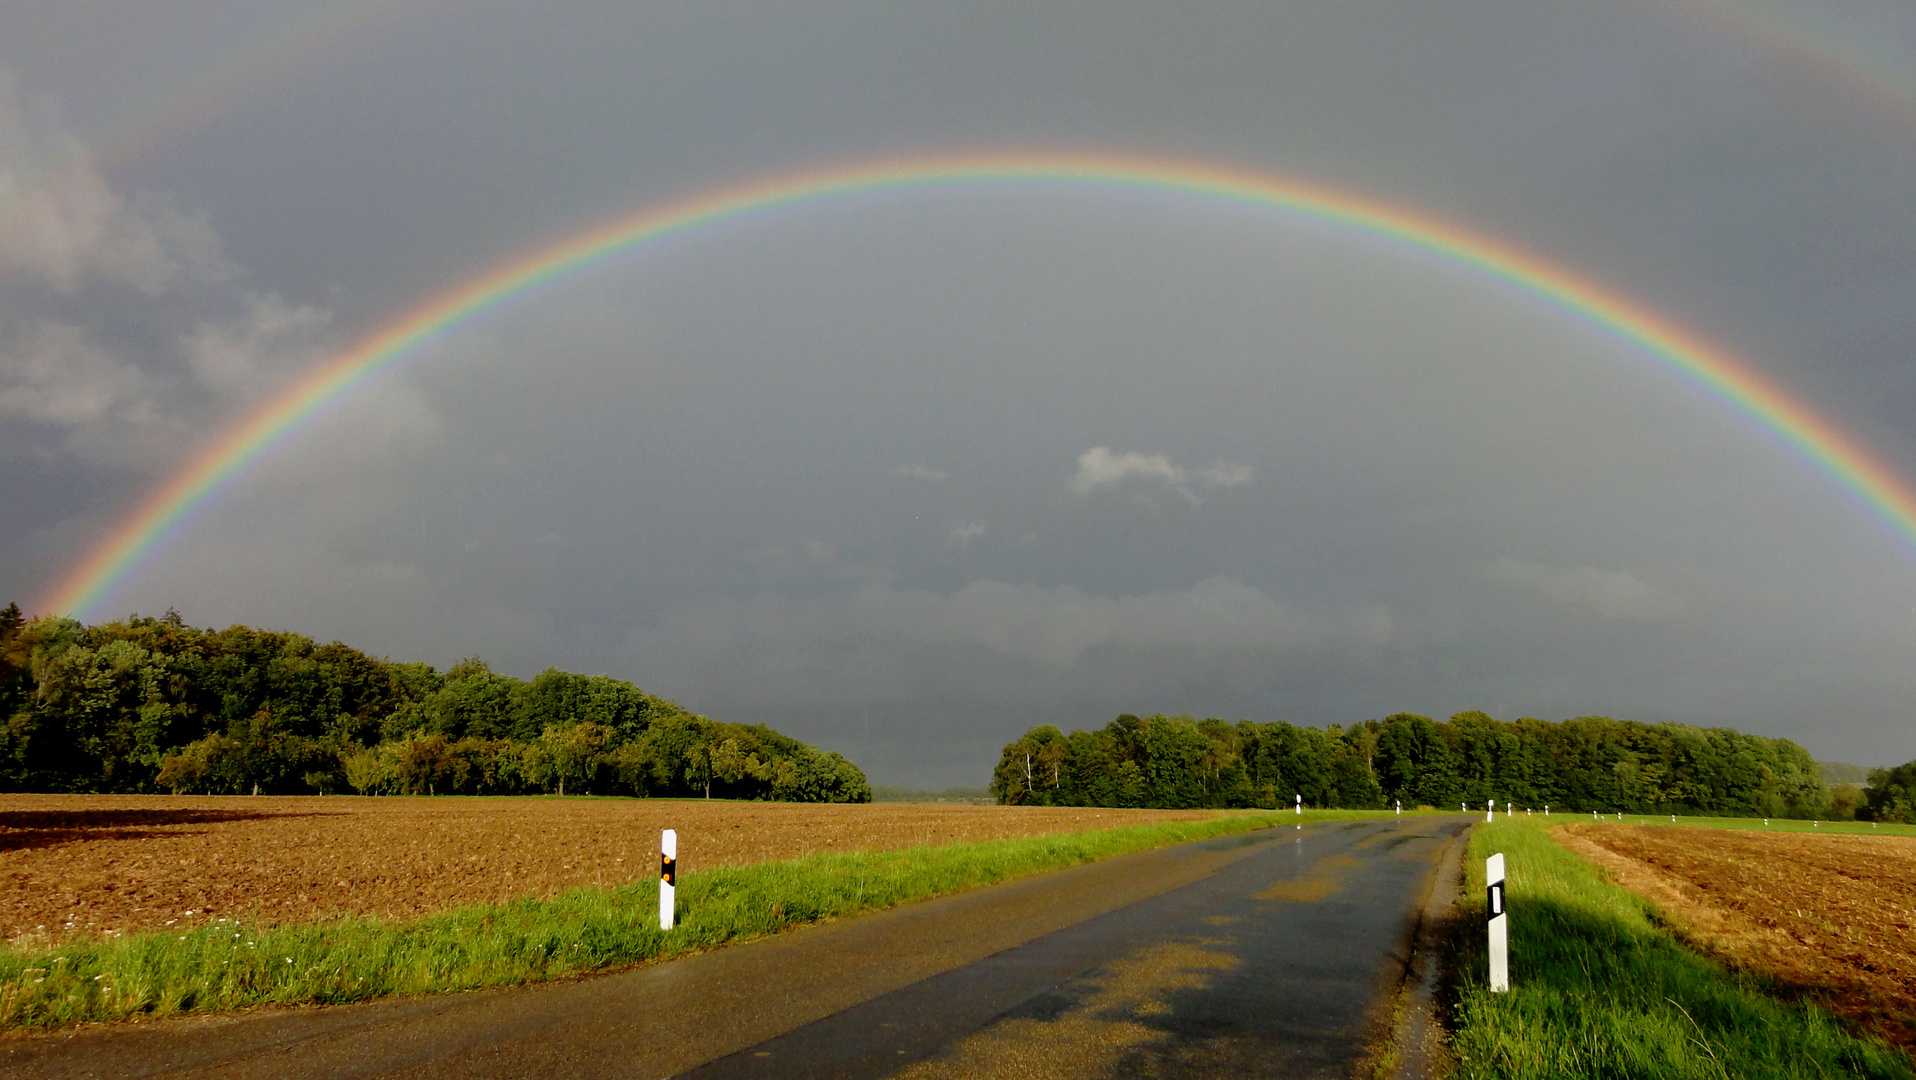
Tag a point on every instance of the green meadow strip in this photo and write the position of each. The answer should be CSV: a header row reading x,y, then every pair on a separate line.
x,y
1600,989
233,965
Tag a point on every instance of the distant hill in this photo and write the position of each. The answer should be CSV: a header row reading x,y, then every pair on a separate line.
x,y
1836,772
881,793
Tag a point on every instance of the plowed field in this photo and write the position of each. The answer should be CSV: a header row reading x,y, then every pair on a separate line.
x,y
1829,914
93,866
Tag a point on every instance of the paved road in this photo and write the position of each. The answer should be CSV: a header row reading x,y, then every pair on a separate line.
x,y
1272,953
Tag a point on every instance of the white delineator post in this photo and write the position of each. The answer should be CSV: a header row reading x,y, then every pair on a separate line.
x,y
668,874
1300,806
1490,810
1499,923
1400,806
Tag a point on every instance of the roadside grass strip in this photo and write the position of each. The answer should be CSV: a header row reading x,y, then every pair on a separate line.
x,y
1600,989
241,963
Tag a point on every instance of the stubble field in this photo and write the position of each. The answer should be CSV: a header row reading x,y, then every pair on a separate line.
x,y
1829,915
89,867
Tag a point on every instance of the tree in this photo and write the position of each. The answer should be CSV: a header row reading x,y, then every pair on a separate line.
x,y
1891,794
572,752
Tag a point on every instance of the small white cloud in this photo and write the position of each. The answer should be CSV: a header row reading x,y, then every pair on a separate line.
x,y
920,472
1610,594
966,531
1098,468
1223,473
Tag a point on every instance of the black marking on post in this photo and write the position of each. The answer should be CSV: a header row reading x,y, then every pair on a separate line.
x,y
1494,898
668,866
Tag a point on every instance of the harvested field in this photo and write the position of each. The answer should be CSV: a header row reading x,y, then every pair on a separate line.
x,y
89,866
1830,915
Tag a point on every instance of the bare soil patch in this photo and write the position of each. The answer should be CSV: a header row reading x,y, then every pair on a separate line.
x,y
1827,915
89,866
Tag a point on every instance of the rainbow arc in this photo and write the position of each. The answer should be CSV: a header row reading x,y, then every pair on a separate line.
x,y
1684,354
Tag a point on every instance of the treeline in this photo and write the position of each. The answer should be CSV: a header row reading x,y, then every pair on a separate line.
x,y
1589,763
155,705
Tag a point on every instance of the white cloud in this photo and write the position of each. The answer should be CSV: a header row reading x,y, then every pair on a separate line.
x,y
1098,468
1610,594
920,472
966,531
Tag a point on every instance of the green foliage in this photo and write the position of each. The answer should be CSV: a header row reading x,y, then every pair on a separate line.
x,y
1589,763
231,965
1599,989
1891,795
150,705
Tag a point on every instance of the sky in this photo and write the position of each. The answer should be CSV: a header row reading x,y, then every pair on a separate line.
x,y
906,474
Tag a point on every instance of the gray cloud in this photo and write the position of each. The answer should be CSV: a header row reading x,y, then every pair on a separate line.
x,y
966,531
1609,594
124,333
1050,625
920,472
64,227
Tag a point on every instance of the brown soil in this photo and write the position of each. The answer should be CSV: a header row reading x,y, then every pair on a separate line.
x,y
85,866
1830,915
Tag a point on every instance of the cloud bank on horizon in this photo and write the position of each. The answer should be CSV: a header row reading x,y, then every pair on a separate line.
x,y
909,475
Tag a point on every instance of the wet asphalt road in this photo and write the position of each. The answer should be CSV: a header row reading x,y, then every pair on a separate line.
x,y
1273,953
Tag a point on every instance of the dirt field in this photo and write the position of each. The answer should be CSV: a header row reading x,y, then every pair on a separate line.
x,y
1829,914
89,866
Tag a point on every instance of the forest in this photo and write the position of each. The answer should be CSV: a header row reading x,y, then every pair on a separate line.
x,y
154,705
1588,763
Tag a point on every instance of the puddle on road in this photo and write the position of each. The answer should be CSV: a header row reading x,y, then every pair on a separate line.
x,y
1326,877
1085,1028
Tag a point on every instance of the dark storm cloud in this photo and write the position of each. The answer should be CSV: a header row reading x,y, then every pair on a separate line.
x,y
911,475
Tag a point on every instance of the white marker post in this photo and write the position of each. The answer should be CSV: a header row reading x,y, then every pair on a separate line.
x,y
1400,806
1490,811
668,874
1300,806
1499,924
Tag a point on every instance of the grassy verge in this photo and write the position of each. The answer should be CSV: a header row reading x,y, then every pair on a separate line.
x,y
1847,828
1598,989
232,965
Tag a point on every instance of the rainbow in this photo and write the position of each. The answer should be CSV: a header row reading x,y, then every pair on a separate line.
x,y
167,505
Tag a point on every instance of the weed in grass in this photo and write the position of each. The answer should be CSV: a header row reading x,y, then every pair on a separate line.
x,y
228,965
1598,990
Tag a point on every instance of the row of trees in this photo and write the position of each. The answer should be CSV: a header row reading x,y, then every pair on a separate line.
x,y
1589,763
156,705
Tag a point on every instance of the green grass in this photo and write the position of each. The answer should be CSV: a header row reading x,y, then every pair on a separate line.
x,y
1864,828
232,965
1599,989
